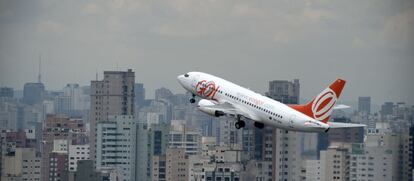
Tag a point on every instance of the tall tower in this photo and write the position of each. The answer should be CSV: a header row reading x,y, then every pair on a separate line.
x,y
114,95
39,77
364,105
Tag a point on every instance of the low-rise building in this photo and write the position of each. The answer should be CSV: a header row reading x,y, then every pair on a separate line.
x,y
21,164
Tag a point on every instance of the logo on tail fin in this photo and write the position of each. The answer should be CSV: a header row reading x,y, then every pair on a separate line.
x,y
323,104
320,108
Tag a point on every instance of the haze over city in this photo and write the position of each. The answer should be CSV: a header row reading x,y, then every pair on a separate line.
x,y
367,43
206,90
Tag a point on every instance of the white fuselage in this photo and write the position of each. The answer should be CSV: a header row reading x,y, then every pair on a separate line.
x,y
253,105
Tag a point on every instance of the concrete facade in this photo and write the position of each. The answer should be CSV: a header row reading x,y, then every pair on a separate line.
x,y
114,95
77,153
116,146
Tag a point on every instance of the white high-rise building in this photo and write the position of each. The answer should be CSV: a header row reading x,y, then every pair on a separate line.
x,y
229,135
116,146
379,158
313,170
76,96
182,137
154,118
372,163
286,154
76,153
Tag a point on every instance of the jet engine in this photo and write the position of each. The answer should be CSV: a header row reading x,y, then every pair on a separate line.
x,y
207,107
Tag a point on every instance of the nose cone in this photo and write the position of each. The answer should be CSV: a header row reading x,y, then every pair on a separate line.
x,y
180,79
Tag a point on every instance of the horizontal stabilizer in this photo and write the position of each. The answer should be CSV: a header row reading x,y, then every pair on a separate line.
x,y
344,125
341,106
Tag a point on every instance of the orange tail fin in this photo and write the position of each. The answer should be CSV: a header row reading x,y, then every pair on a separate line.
x,y
320,108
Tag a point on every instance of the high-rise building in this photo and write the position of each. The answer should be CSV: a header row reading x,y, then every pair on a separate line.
x,y
33,93
158,137
286,145
313,170
3,149
63,104
183,137
139,95
77,98
156,112
371,163
116,146
114,95
163,93
143,167
381,146
286,155
59,128
159,168
335,163
409,146
58,159
262,143
77,153
383,156
152,138
284,91
176,164
364,105
228,134
152,141
6,92
387,108
8,113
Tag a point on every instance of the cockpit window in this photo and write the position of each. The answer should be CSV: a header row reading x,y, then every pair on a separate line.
x,y
186,75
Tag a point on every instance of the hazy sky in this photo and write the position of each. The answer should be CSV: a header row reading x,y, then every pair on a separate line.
x,y
370,43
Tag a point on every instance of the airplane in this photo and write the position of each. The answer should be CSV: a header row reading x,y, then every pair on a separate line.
x,y
220,97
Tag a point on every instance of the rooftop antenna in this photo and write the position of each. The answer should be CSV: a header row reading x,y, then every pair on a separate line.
x,y
39,77
96,70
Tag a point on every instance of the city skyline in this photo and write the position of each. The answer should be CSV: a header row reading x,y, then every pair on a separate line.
x,y
168,138
150,94
245,42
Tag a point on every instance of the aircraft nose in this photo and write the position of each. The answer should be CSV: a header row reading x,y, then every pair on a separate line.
x,y
180,79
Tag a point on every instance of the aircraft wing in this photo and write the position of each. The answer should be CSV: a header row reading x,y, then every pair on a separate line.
x,y
224,109
344,125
